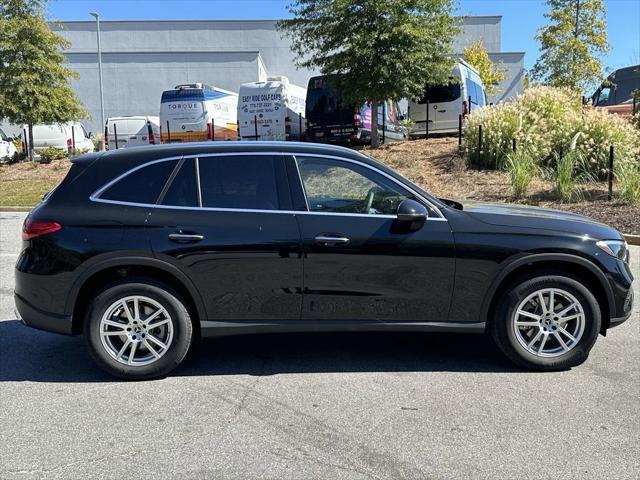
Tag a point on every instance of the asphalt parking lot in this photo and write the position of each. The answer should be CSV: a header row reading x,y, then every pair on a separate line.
x,y
315,406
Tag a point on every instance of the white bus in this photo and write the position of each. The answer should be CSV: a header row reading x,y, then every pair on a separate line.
x,y
271,110
196,112
463,93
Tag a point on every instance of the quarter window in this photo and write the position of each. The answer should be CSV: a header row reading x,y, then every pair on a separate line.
x,y
340,187
245,182
143,185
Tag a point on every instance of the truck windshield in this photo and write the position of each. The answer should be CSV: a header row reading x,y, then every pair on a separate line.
x,y
441,93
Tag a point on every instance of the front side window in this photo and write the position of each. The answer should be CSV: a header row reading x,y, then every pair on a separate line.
x,y
242,181
603,96
341,187
143,185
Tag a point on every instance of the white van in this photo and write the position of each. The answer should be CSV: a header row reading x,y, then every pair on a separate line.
x,y
463,93
7,148
271,110
196,112
59,135
131,131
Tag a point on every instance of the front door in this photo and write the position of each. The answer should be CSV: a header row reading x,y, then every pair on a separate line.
x,y
360,264
222,221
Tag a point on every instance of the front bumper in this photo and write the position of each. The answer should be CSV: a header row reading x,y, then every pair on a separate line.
x,y
627,308
36,318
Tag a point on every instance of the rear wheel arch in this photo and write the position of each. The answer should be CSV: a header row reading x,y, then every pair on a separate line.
x,y
551,264
105,274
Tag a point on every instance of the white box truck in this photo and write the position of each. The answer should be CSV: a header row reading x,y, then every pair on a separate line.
x,y
271,110
197,112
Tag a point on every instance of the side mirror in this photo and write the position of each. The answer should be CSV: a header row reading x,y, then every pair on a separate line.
x,y
412,213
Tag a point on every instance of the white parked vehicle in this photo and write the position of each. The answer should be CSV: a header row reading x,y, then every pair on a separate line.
x,y
271,110
131,131
59,135
462,94
7,148
196,112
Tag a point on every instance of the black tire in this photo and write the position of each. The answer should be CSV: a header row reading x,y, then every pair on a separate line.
x,y
179,318
503,331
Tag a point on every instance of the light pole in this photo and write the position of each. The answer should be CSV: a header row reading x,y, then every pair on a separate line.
x,y
97,17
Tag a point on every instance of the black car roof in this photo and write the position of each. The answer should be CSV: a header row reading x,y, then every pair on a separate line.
x,y
151,152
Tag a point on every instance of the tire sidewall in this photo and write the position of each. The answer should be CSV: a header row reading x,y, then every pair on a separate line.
x,y
579,353
182,330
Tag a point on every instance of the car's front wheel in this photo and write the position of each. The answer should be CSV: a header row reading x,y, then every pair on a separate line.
x,y
138,330
549,322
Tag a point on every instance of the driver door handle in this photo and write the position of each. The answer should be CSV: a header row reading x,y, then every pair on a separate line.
x,y
182,237
331,240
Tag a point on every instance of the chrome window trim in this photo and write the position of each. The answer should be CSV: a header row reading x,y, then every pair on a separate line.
x,y
95,196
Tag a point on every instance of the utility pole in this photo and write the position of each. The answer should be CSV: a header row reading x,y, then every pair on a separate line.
x,y
97,17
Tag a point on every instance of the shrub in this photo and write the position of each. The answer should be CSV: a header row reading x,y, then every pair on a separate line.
x,y
568,173
545,121
628,177
97,140
522,169
47,155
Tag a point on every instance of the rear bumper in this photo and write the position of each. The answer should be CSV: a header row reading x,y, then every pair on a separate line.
x,y
36,318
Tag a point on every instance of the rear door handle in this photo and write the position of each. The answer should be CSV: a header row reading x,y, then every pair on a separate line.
x,y
182,237
441,111
331,240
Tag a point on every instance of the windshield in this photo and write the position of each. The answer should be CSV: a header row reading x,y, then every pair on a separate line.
x,y
3,136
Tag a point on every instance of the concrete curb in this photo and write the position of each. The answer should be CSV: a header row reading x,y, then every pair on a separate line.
x,y
631,239
16,209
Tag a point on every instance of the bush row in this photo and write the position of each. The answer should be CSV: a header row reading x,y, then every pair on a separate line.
x,y
550,122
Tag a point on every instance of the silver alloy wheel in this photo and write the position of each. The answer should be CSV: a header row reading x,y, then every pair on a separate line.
x,y
136,330
549,322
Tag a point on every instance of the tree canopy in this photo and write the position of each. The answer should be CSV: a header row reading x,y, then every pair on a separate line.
x,y
572,44
34,80
491,73
375,50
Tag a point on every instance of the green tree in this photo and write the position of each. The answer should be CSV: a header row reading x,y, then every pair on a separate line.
x,y
573,44
34,80
491,73
374,50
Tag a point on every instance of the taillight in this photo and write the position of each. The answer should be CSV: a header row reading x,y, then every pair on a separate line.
x,y
69,145
357,121
209,132
36,228
106,138
465,108
152,138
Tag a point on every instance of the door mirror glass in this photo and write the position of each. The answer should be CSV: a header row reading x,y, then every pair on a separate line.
x,y
412,213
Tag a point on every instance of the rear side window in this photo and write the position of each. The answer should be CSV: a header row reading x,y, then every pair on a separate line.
x,y
183,191
245,182
141,186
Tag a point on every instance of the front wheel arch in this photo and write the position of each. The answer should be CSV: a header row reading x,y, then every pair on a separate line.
x,y
555,264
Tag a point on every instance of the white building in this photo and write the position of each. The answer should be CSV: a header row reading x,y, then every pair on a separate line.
x,y
143,58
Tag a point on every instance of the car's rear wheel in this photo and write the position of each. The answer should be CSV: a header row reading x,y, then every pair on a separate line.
x,y
549,322
138,330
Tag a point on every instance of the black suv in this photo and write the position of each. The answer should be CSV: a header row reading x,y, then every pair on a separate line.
x,y
146,249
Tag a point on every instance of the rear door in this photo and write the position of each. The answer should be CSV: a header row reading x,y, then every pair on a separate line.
x,y
360,264
226,221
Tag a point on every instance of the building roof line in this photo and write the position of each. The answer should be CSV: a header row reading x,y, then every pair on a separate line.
x,y
250,20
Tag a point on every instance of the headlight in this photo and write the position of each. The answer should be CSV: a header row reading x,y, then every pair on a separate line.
x,y
615,248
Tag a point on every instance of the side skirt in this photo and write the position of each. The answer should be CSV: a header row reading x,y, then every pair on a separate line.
x,y
211,328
